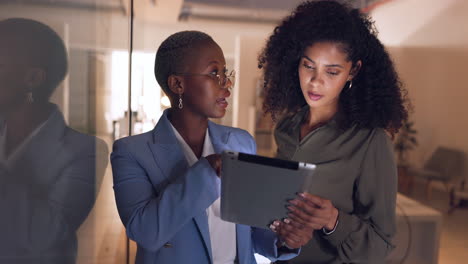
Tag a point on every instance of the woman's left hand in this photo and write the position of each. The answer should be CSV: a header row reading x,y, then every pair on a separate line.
x,y
313,211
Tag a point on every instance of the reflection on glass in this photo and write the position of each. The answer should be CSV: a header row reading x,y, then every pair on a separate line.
x,y
91,31
49,173
146,101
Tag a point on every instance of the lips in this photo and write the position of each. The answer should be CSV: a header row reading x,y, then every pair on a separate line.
x,y
222,102
314,96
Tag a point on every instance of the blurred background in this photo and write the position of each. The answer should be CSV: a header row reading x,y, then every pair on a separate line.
x,y
110,92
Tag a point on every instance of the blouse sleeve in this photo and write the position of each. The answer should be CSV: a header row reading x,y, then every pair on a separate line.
x,y
365,235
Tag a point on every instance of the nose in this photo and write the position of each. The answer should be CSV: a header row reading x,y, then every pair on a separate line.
x,y
228,84
228,80
316,79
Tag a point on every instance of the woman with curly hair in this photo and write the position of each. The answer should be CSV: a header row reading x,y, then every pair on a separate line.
x,y
333,87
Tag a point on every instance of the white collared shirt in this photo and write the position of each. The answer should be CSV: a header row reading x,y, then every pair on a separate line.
x,y
222,233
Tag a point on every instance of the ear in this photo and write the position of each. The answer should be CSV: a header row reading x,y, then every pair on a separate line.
x,y
176,84
34,77
355,70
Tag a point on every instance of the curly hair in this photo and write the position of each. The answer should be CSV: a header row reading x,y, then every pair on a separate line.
x,y
377,98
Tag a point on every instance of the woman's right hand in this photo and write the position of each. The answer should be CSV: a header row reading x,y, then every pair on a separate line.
x,y
313,211
291,234
215,162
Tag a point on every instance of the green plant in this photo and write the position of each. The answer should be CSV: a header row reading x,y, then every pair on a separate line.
x,y
405,141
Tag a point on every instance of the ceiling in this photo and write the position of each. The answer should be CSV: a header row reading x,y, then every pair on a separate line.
x,y
110,5
252,10
238,10
274,4
256,4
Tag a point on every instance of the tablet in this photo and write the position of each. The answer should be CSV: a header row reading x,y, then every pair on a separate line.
x,y
255,190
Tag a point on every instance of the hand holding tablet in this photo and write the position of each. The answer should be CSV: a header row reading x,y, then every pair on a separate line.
x,y
255,190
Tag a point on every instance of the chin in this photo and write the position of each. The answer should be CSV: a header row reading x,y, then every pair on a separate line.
x,y
315,104
218,114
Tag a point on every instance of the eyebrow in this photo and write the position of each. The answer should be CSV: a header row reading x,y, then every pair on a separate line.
x,y
328,65
213,62
216,62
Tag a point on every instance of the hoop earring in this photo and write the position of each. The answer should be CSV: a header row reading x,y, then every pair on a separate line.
x,y
180,102
350,85
29,97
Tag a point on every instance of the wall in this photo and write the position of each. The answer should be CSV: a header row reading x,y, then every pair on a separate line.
x,y
248,48
429,43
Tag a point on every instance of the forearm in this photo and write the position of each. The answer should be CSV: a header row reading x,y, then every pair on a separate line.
x,y
360,241
152,219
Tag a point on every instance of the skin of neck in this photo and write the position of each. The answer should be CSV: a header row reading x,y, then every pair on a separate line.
x,y
192,127
321,114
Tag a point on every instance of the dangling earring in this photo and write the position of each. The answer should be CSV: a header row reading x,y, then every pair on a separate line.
x,y
350,85
180,101
29,97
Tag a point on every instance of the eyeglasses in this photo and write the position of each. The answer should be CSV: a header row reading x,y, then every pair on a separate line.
x,y
222,78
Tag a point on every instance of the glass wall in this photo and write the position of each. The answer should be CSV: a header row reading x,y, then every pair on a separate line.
x,y
63,100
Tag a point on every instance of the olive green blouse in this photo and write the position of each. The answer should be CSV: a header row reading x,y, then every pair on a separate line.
x,y
357,172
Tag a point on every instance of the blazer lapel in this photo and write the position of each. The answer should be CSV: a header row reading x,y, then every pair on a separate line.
x,y
170,159
166,150
219,137
201,220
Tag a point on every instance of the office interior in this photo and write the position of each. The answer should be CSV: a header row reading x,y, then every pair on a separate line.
x,y
106,96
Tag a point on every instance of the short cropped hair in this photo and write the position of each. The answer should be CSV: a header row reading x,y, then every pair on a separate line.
x,y
170,55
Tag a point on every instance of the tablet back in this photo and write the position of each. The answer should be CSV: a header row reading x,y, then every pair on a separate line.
x,y
255,189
